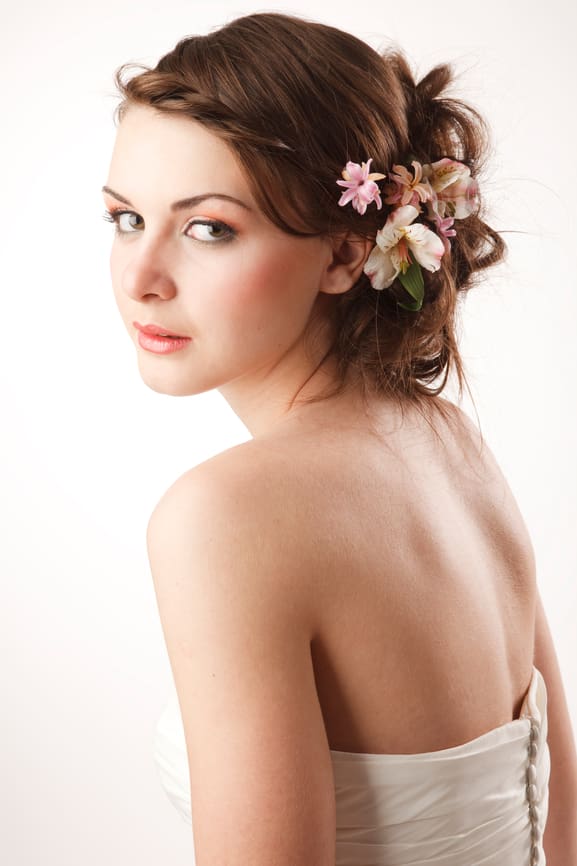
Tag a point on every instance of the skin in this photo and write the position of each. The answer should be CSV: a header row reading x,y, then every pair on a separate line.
x,y
246,304
246,301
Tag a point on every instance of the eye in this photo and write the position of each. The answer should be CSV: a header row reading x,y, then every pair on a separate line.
x,y
210,230
206,230
113,216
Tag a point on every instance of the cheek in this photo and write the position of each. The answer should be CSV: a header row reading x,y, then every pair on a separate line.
x,y
270,293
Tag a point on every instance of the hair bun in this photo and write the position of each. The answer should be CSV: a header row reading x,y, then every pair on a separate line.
x,y
439,125
266,80
434,83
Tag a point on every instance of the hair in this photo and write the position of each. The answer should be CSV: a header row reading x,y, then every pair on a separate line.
x,y
295,100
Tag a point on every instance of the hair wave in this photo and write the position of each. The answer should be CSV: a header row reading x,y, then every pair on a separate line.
x,y
296,100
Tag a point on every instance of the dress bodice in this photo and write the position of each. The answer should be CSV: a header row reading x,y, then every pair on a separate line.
x,y
482,802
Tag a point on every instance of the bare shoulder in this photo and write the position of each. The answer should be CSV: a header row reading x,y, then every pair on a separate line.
x,y
474,442
240,478
238,640
231,516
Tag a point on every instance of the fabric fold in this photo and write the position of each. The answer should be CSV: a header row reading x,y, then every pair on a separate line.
x,y
481,803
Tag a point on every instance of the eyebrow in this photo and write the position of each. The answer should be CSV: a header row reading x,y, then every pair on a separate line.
x,y
183,203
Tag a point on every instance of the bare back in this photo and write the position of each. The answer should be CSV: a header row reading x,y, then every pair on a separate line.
x,y
423,583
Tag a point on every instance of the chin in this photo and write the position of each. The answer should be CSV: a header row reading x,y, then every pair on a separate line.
x,y
173,388
180,379
168,388
171,385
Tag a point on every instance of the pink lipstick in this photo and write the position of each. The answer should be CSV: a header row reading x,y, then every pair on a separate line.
x,y
162,345
158,339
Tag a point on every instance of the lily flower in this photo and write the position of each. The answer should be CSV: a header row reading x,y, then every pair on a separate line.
x,y
456,192
403,189
361,188
390,256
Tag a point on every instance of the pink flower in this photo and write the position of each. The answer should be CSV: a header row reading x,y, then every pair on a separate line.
x,y
361,188
456,192
405,189
444,229
390,256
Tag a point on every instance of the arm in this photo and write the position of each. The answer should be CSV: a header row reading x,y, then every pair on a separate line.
x,y
560,837
237,635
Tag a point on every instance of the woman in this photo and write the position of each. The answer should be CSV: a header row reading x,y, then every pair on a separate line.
x,y
363,666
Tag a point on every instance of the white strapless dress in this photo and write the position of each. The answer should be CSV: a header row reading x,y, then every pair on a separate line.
x,y
482,803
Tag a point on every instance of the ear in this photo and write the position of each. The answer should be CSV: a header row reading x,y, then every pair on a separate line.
x,y
349,254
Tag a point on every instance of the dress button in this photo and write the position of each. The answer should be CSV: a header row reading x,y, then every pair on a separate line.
x,y
533,793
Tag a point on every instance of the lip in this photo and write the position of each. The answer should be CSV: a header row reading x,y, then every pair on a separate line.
x,y
157,330
162,345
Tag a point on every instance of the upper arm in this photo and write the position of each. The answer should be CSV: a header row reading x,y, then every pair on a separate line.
x,y
560,838
237,635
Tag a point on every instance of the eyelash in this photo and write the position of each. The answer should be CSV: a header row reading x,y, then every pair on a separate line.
x,y
114,215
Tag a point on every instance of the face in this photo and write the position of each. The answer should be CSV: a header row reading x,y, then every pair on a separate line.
x,y
214,270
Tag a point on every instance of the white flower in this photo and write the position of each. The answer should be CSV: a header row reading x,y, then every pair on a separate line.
x,y
456,192
390,256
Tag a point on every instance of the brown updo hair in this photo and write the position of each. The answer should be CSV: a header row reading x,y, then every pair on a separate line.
x,y
296,100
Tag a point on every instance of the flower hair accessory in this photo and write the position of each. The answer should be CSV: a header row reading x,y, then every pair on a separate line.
x,y
403,246
361,188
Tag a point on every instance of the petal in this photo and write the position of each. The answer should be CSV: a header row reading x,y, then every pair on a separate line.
x,y
398,258
402,175
426,246
424,190
355,171
368,191
388,237
418,169
347,196
392,231
446,172
435,207
366,167
380,269
466,202
441,207
463,208
403,216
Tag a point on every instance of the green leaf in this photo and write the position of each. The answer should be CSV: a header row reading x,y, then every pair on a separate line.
x,y
412,281
410,305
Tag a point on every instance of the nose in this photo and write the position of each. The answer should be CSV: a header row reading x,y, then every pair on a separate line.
x,y
145,273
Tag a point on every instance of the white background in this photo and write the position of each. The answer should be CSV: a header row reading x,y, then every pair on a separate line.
x,y
87,448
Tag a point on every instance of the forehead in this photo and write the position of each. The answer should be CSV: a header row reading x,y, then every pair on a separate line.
x,y
153,148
